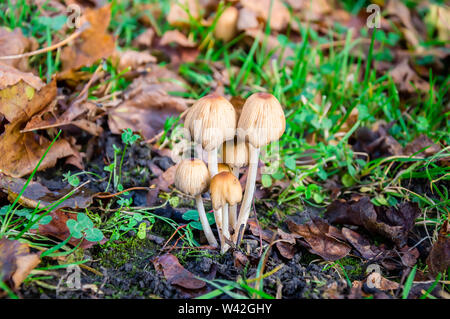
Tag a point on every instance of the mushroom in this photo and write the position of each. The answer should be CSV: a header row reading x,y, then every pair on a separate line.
x,y
235,154
221,167
211,121
192,177
226,26
225,190
262,121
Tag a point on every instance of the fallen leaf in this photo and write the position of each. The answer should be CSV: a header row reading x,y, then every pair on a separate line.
x,y
36,192
323,240
175,273
175,36
145,39
93,44
361,244
439,258
247,20
57,228
146,107
274,10
424,144
377,281
133,59
10,76
407,79
13,42
180,10
16,262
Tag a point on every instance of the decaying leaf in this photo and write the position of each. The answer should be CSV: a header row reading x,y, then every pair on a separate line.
x,y
175,273
16,262
10,76
439,258
161,183
323,240
180,10
93,44
392,223
361,244
275,10
147,105
421,146
407,79
36,192
133,59
376,280
57,228
175,36
13,42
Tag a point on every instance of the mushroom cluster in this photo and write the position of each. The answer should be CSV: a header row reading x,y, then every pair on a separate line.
x,y
213,123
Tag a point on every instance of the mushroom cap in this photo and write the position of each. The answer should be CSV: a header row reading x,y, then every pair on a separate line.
x,y
235,153
222,167
225,188
211,121
226,25
192,177
262,120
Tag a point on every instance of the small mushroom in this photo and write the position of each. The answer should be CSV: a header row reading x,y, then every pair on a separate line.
x,y
235,154
225,190
226,26
262,121
223,168
211,121
192,177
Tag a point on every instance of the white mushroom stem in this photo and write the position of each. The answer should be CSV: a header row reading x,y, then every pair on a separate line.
x,y
225,228
246,204
204,221
212,162
233,209
218,218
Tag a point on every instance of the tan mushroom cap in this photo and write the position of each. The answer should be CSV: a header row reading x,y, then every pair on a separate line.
x,y
221,167
226,26
262,120
192,177
235,153
211,121
225,189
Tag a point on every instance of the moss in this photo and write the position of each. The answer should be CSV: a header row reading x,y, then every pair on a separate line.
x,y
353,267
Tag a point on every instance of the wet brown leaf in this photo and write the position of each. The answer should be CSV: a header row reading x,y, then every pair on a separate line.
x,y
175,273
439,258
93,44
16,262
323,240
36,192
361,244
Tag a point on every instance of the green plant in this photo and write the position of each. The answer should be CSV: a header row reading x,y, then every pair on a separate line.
x,y
84,227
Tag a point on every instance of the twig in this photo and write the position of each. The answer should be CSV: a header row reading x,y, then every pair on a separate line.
x,y
121,192
50,48
174,233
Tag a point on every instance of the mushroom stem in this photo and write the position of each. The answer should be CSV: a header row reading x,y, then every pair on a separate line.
x,y
218,218
212,162
233,208
225,229
204,221
244,212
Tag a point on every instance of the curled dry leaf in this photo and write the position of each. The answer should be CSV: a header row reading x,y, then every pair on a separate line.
x,y
10,76
133,59
407,79
177,37
274,10
439,258
175,273
180,10
36,192
423,144
93,44
12,42
161,183
392,223
145,39
247,20
16,262
376,280
361,244
321,239
147,105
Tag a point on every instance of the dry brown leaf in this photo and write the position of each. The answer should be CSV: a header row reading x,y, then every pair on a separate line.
x,y
93,44
133,59
439,258
247,20
175,36
279,14
376,280
407,79
37,195
147,104
180,11
439,16
16,262
145,39
361,244
420,143
14,43
322,239
175,273
10,76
